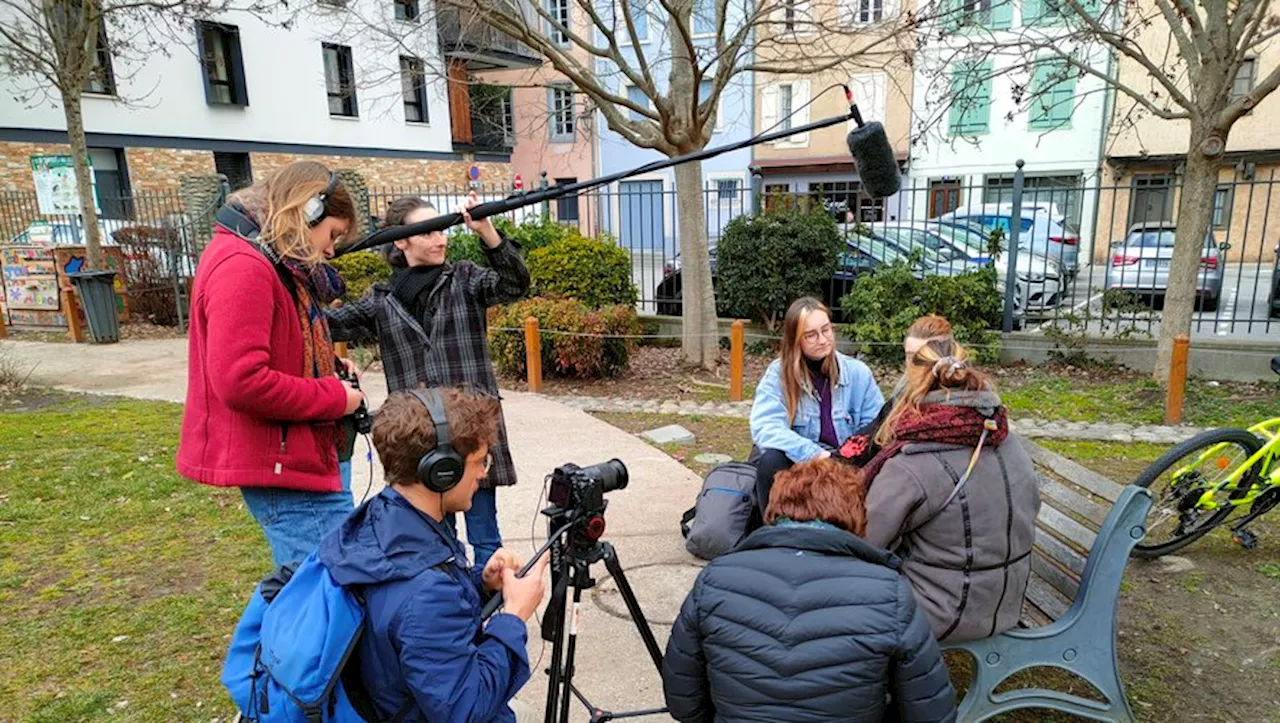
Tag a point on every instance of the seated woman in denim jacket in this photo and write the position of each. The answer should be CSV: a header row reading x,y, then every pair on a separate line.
x,y
810,399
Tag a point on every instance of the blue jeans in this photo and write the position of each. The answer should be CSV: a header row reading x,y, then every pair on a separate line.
x,y
294,520
482,525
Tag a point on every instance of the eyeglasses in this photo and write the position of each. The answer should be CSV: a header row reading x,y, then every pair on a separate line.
x,y
814,334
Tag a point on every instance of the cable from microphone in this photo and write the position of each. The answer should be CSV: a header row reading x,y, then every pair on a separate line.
x,y
495,602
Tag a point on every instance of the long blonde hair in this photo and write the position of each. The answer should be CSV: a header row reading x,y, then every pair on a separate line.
x,y
276,203
795,376
941,363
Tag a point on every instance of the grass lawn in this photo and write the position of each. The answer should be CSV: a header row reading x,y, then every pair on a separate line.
x,y
119,582
1200,645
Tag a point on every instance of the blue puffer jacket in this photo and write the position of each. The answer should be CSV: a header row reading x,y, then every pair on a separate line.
x,y
423,635
804,623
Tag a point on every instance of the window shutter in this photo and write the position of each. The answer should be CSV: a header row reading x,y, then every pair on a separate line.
x,y
1032,12
981,123
1001,14
204,63
950,14
800,110
769,109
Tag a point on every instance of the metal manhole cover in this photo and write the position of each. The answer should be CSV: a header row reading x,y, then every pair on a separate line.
x,y
661,588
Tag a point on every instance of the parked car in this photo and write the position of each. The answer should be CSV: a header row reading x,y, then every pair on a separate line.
x,y
1140,264
1038,230
1274,300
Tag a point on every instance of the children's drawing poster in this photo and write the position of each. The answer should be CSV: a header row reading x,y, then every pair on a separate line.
x,y
55,180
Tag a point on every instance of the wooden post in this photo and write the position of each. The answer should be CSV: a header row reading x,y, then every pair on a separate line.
x,y
70,303
735,361
4,330
1177,380
533,354
339,347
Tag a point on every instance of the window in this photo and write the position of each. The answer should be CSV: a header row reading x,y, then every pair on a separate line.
x,y
992,14
560,100
704,92
639,12
636,95
413,86
1152,200
785,98
236,167
1244,80
728,189
219,47
111,178
776,194
970,113
1065,193
567,206
789,15
1222,201
870,11
704,17
846,202
102,77
1055,12
406,9
339,80
869,94
559,11
1053,96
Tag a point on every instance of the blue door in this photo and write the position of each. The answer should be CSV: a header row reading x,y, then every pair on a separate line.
x,y
640,211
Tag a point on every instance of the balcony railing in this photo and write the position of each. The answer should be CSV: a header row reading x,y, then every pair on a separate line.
x,y
464,36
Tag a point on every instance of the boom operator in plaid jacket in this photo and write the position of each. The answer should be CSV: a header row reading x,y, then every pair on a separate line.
x,y
454,349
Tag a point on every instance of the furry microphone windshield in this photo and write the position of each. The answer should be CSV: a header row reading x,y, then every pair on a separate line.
x,y
874,160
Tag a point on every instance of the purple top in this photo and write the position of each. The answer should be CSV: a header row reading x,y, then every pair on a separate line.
x,y
822,386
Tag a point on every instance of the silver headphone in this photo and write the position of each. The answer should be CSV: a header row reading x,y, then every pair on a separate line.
x,y
314,210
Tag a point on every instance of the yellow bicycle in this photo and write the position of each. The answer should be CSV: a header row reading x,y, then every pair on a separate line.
x,y
1198,484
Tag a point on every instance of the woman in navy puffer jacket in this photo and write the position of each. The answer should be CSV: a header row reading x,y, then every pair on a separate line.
x,y
803,621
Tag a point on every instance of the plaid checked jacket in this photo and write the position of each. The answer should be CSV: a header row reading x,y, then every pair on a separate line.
x,y
455,350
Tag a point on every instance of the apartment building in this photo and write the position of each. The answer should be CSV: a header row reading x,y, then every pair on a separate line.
x,y
246,96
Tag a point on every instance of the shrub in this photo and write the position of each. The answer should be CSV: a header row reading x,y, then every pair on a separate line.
x,y
361,270
531,235
150,253
763,263
596,272
885,303
563,355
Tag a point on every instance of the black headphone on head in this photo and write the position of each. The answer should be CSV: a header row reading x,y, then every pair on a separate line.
x,y
315,208
440,469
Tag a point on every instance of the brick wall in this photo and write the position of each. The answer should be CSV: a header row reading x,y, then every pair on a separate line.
x,y
162,169
15,163
380,172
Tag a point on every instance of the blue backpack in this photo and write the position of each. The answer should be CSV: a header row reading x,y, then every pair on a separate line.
x,y
292,657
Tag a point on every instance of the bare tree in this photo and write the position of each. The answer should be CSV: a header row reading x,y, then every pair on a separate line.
x,y
677,57
1175,60
61,49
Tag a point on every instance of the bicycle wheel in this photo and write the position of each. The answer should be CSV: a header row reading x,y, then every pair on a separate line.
x,y
1180,477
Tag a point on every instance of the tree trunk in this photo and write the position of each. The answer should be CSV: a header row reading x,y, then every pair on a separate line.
x,y
1195,211
700,341
84,188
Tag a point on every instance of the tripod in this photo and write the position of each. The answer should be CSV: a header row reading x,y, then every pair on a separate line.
x,y
571,566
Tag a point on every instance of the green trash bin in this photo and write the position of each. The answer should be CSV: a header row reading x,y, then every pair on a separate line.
x,y
98,296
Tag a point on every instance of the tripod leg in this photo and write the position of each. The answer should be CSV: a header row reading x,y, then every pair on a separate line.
x,y
633,605
572,622
558,594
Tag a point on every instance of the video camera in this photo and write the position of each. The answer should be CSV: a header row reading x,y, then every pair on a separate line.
x,y
363,422
576,497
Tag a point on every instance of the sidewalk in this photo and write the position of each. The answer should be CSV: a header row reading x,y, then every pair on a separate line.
x,y
613,669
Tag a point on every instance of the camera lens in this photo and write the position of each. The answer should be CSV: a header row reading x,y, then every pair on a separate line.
x,y
612,474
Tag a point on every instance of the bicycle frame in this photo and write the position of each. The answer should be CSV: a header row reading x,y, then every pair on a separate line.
x,y
1268,473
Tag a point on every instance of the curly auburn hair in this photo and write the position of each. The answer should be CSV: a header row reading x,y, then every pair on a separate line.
x,y
403,431
824,490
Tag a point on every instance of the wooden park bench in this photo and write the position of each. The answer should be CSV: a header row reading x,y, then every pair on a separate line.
x,y
1085,531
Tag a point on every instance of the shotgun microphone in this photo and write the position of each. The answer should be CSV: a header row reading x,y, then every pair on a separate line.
x,y
873,156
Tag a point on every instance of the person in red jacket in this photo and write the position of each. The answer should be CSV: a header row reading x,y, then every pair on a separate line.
x,y
263,397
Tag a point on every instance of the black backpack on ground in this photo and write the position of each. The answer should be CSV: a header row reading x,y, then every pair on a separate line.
x,y
722,515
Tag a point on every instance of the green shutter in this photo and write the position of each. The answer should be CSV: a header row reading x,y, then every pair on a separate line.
x,y
1053,90
970,113
950,14
1001,14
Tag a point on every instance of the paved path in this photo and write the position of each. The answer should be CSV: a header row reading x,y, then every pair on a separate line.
x,y
1027,427
643,520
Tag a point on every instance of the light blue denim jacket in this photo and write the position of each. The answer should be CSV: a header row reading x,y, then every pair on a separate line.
x,y
855,402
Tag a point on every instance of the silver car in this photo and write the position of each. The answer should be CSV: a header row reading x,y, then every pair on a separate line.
x,y
1038,230
1140,264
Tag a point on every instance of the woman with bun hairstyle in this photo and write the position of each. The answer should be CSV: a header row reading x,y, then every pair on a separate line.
x,y
952,492
263,397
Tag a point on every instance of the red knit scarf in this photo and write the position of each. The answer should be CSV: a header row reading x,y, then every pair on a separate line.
x,y
937,423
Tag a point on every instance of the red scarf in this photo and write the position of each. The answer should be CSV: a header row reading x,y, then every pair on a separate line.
x,y
937,423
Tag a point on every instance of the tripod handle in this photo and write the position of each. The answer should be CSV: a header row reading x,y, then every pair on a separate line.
x,y
496,601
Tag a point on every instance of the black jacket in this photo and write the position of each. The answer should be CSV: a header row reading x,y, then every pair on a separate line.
x,y
804,623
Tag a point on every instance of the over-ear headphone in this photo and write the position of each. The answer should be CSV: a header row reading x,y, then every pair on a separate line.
x,y
440,469
314,210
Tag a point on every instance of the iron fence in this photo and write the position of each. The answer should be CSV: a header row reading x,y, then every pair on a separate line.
x,y
160,241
